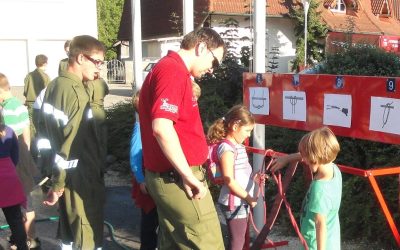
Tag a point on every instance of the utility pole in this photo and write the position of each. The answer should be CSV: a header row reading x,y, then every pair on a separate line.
x,y
306,6
137,43
259,12
187,16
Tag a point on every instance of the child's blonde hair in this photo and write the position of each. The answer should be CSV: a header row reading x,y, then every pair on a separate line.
x,y
196,90
319,146
238,114
135,100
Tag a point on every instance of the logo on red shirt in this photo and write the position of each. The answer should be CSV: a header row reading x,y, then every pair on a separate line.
x,y
168,107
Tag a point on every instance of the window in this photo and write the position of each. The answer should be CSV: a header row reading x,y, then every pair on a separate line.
x,y
338,6
385,11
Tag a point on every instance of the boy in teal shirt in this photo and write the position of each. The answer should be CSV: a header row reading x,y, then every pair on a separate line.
x,y
319,220
320,211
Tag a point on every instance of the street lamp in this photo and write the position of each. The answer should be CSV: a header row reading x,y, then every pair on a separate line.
x,y
306,5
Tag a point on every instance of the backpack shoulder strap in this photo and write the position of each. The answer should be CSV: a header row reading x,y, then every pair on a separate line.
x,y
231,202
230,144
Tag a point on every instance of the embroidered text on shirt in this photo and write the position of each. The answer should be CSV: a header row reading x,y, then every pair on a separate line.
x,y
168,107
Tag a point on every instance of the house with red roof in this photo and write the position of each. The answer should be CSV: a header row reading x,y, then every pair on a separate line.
x,y
375,22
372,21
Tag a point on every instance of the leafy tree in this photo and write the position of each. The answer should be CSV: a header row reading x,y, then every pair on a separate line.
x,y
223,89
273,64
176,22
362,59
316,33
108,18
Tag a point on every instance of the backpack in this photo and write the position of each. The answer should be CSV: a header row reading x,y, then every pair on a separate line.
x,y
213,165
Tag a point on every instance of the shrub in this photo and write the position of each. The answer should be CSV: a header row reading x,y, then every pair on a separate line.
x,y
120,120
362,60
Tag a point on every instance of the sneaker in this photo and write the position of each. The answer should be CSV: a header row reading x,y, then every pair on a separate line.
x,y
11,243
34,243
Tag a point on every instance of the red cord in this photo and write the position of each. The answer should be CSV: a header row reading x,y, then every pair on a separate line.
x,y
278,181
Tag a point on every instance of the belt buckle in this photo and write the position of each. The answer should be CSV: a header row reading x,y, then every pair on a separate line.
x,y
172,177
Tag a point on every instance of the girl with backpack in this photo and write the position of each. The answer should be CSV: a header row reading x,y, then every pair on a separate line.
x,y
236,195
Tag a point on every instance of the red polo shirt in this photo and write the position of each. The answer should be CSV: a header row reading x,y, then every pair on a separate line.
x,y
167,93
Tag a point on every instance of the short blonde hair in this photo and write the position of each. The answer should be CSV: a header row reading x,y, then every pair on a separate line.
x,y
135,100
196,90
319,146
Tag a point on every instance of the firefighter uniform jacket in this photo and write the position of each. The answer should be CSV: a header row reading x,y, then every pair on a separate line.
x,y
71,130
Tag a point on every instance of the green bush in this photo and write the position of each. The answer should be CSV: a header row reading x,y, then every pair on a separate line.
x,y
120,120
362,60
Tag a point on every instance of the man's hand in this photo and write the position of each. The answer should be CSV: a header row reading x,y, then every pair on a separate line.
x,y
52,197
194,188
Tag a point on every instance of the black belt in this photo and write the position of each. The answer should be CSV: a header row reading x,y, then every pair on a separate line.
x,y
172,176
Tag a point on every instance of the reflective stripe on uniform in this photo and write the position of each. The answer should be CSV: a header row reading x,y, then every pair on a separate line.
x,y
61,163
43,143
57,114
66,247
89,114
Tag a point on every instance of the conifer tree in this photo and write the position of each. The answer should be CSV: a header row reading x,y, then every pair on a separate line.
x,y
317,31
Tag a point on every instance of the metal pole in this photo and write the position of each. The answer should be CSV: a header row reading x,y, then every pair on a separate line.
x,y
137,43
259,12
306,5
187,16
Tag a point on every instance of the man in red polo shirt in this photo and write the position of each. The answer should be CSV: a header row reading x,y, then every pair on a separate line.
x,y
174,144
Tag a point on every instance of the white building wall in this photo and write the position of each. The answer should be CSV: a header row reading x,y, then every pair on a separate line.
x,y
279,31
32,27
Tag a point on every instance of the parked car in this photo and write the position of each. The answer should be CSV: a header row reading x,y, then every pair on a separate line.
x,y
313,70
147,69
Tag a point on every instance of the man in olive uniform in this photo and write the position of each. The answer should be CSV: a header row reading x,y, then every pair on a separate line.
x,y
77,175
97,90
63,66
35,82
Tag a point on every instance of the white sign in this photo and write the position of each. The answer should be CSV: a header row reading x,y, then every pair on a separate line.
x,y
337,110
259,100
294,105
385,115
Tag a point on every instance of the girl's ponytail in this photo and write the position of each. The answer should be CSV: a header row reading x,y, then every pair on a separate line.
x,y
217,131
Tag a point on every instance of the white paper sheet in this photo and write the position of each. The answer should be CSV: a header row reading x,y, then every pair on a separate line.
x,y
385,115
294,105
337,110
259,100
